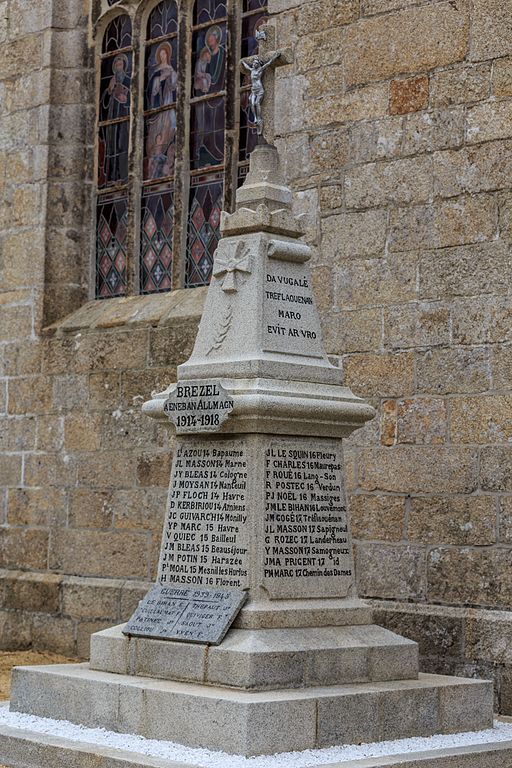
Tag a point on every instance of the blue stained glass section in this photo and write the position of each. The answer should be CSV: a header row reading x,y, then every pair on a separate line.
x,y
163,20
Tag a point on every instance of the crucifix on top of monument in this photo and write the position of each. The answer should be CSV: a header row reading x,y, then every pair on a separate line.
x,y
256,511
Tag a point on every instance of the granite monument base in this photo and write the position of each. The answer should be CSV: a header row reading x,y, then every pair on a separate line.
x,y
270,687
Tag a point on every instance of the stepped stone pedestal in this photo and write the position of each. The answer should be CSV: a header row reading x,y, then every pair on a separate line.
x,y
256,509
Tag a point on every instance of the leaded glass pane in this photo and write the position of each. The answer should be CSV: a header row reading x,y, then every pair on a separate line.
x,y
207,133
111,230
250,25
254,5
203,228
156,241
116,75
113,154
209,60
160,145
161,75
118,34
163,20
209,10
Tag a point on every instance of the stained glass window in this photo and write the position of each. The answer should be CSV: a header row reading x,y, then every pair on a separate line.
x,y
160,124
111,231
113,146
206,193
162,183
207,138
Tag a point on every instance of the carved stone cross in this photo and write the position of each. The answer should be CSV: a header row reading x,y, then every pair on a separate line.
x,y
262,96
237,260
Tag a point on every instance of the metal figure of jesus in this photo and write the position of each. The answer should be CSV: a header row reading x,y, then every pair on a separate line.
x,y
256,69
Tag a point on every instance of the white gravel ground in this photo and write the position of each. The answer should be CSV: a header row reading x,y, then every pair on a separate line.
x,y
203,757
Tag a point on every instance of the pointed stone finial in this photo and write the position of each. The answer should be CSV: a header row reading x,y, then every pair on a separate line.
x,y
263,202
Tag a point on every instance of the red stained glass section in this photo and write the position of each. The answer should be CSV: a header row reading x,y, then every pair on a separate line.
x,y
156,241
203,228
111,229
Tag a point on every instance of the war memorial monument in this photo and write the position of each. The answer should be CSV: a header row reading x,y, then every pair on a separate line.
x,y
253,640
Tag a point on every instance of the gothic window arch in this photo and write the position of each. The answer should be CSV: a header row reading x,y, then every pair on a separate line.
x,y
174,137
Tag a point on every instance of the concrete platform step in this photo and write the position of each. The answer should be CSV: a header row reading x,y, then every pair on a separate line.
x,y
264,659
252,723
28,749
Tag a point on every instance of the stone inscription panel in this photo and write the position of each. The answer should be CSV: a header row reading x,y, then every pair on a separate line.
x,y
290,319
183,613
307,549
198,406
205,536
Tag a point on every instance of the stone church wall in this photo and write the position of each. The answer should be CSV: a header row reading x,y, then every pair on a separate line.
x,y
395,128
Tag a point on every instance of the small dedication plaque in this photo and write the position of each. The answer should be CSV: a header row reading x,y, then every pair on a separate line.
x,y
186,614
198,406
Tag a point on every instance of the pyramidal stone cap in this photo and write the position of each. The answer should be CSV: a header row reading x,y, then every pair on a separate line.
x,y
260,338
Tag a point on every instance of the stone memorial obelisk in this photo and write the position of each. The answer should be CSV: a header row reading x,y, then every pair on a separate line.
x,y
253,640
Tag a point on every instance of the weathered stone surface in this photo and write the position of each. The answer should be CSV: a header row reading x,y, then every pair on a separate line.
x,y
461,84
366,103
491,36
417,325
486,578
363,282
501,78
408,95
489,121
354,235
496,468
405,469
353,331
434,130
384,375
421,421
36,506
461,521
505,520
410,40
473,169
377,517
376,140
455,370
452,272
398,181
90,553
481,419
391,570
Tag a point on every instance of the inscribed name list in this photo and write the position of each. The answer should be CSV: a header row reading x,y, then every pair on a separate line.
x,y
205,536
290,319
307,550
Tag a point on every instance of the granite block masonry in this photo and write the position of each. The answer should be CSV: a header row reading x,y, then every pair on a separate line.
x,y
256,513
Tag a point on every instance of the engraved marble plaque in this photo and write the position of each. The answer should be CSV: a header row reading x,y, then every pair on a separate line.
x,y
183,613
205,542
290,319
198,406
307,550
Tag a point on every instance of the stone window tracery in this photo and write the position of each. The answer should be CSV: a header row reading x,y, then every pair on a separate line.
x,y
174,137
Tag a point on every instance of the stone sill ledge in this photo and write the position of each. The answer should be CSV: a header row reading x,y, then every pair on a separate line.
x,y
157,309
442,611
